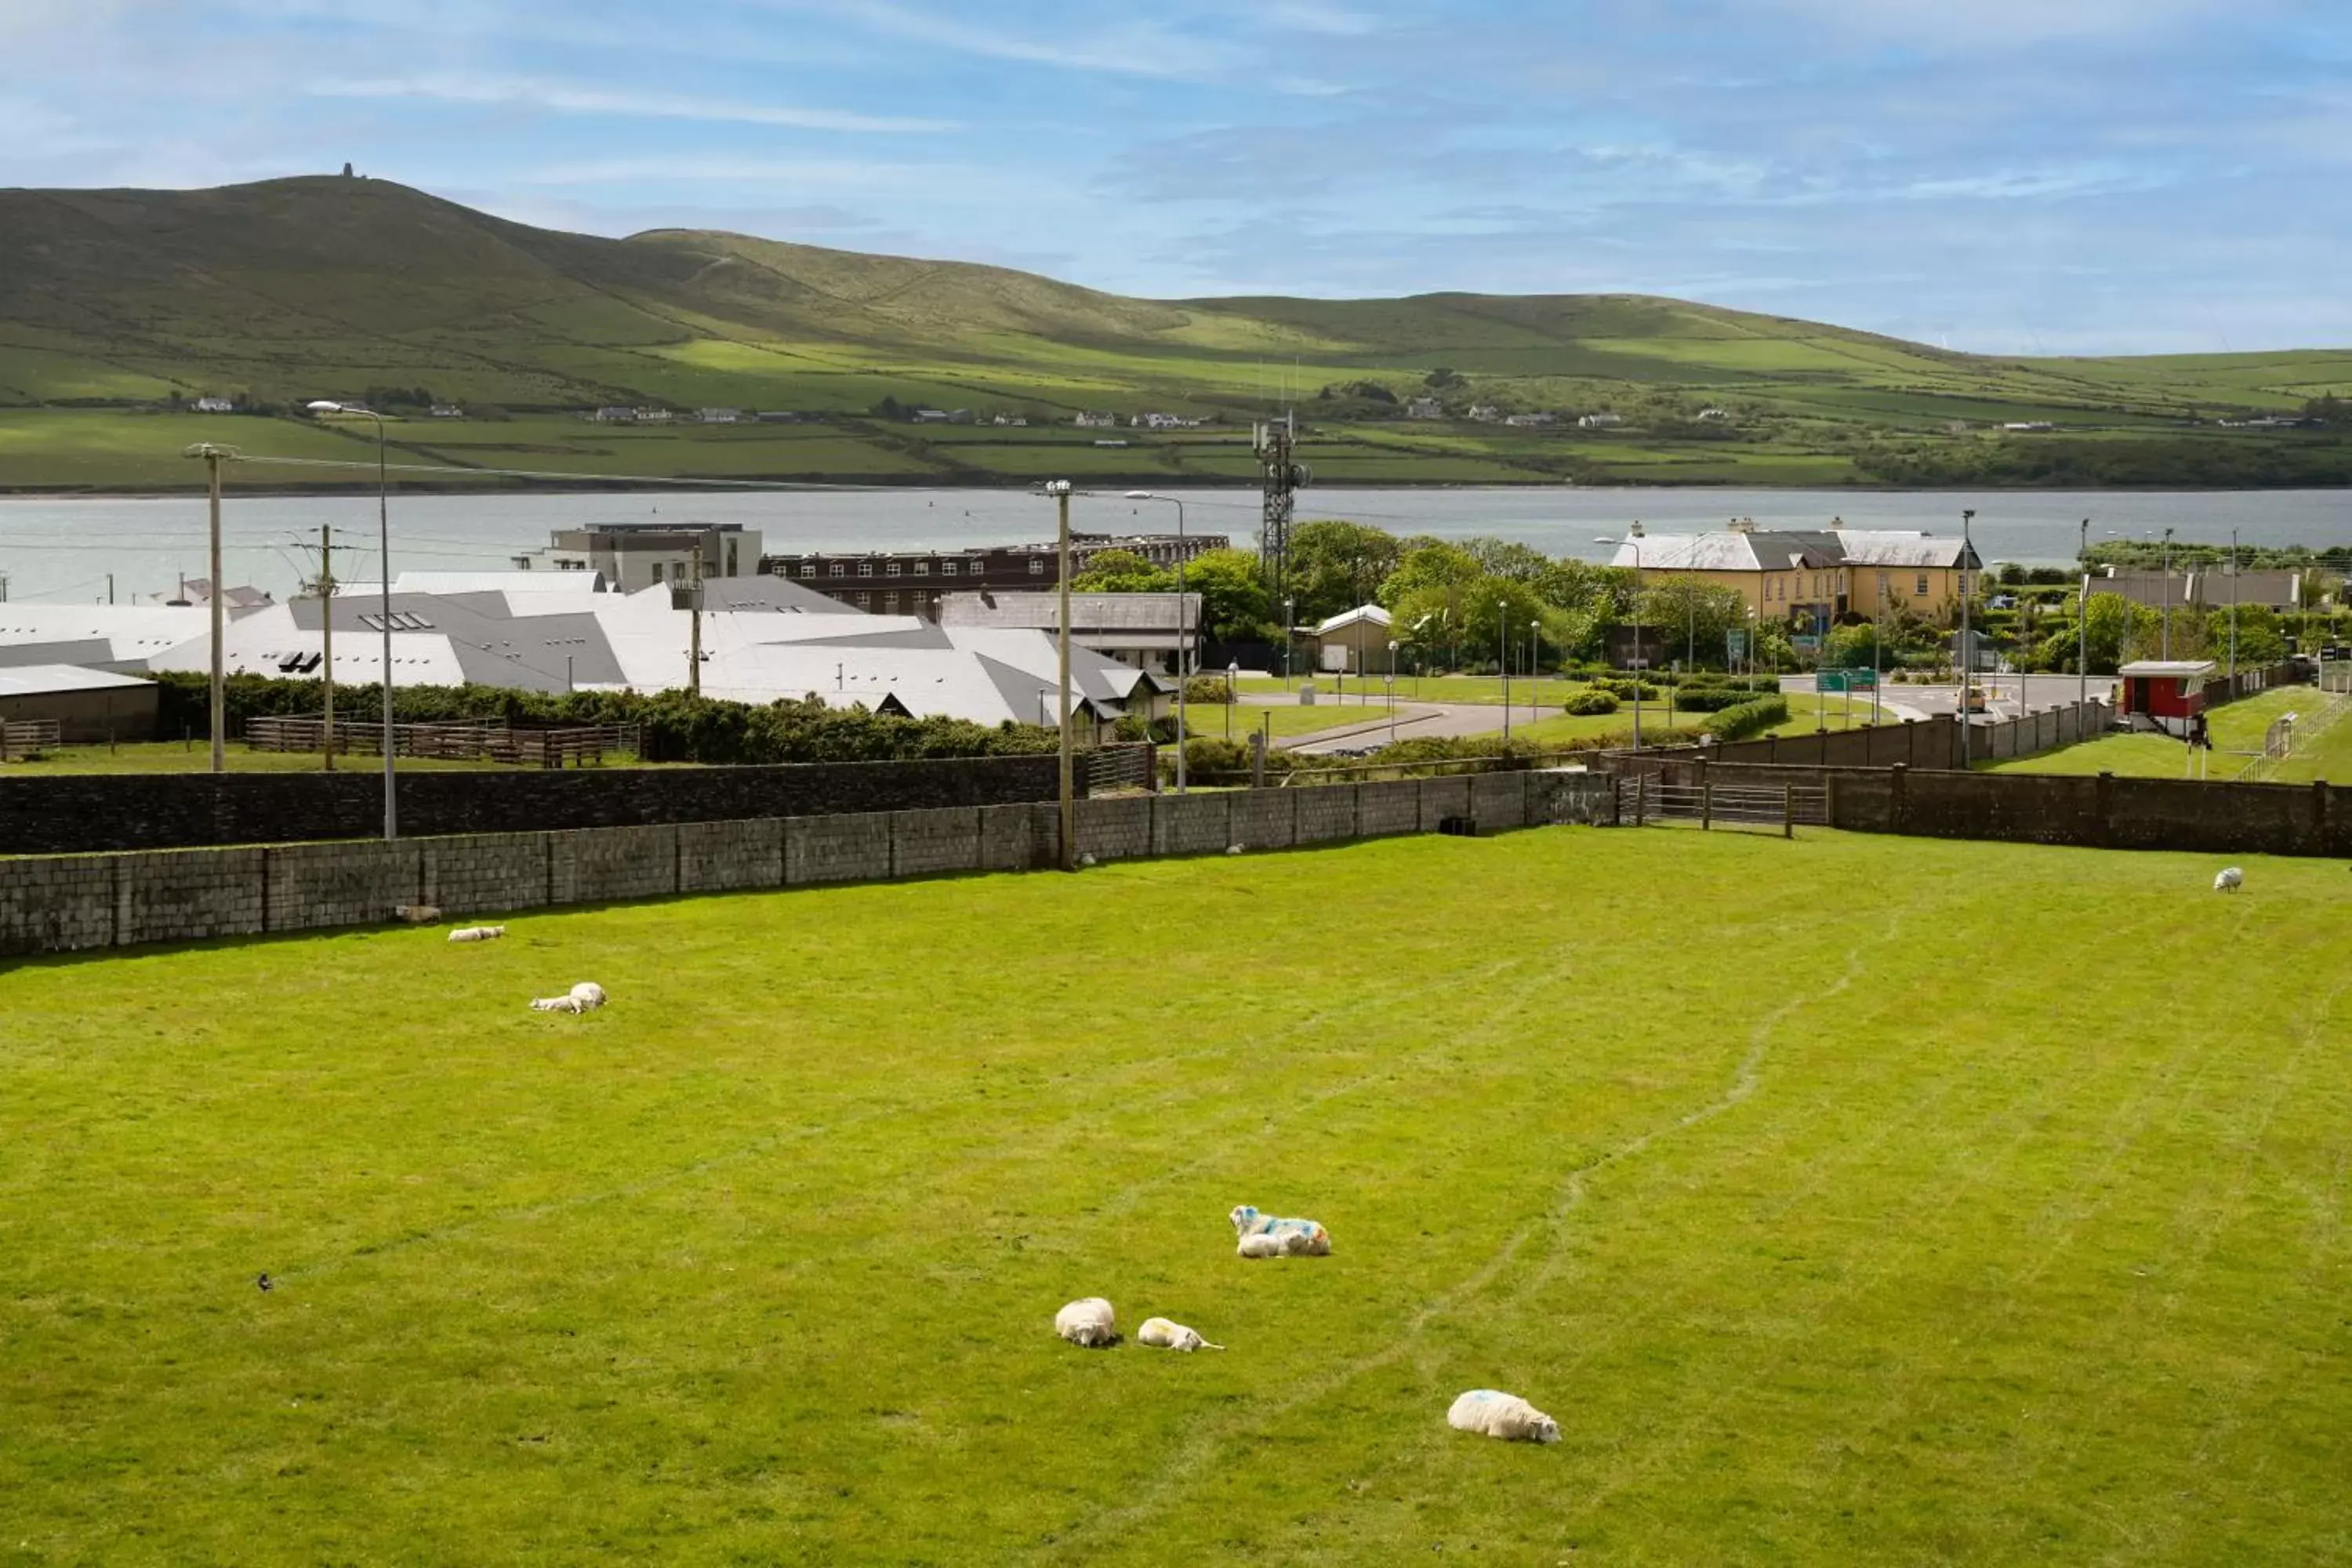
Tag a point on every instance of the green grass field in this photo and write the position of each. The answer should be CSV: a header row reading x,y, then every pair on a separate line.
x,y
2238,729
1820,1246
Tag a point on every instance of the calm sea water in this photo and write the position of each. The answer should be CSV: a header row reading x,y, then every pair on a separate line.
x,y
64,549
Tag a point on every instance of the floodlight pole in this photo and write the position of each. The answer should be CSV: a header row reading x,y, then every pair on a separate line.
x,y
327,637
1877,652
1503,661
2083,631
1184,623
2165,635
2233,603
1535,670
217,705
1060,491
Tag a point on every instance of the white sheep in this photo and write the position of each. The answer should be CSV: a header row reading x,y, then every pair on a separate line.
x,y
1089,1323
417,914
1505,1416
1259,1243
1161,1334
2230,880
580,998
477,933
1232,848
1299,1237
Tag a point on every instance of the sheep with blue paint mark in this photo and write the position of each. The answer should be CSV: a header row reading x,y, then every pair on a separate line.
x,y
1265,1236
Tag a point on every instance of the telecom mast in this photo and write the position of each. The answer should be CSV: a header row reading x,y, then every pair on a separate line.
x,y
1281,474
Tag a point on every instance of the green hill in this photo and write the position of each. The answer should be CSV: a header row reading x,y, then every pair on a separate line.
x,y
275,292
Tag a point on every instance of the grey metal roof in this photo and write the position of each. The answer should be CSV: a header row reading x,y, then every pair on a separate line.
x,y
1786,550
534,653
1876,547
1090,613
766,592
40,680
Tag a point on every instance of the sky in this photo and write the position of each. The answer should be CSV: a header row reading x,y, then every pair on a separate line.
x,y
2007,177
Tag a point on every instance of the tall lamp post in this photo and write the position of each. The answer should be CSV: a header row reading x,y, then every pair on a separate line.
x,y
1183,628
383,543
2082,629
2164,649
1968,655
218,700
1503,658
2233,603
1060,491
1535,670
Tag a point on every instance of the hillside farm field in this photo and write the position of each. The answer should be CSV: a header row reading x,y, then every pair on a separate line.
x,y
1821,1246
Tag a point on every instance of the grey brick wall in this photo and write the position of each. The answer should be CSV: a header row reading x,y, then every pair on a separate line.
x,y
313,885
1009,840
188,895
1442,798
1499,801
485,873
1264,819
1326,814
854,848
1191,824
934,843
725,857
1557,796
1387,808
598,865
1118,828
57,905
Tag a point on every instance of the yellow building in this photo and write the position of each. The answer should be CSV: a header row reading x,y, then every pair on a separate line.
x,y
1813,577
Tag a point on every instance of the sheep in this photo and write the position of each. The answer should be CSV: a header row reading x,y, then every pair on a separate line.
x,y
1505,1416
1259,1243
1232,848
2230,880
417,914
581,998
1161,1334
1300,1238
1088,1324
477,933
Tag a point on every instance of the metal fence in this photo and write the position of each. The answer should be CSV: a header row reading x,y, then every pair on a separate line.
x,y
1647,799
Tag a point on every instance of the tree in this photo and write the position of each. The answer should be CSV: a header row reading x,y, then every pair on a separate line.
x,y
1691,616
2261,639
1336,565
1123,571
1233,600
2109,621
1427,564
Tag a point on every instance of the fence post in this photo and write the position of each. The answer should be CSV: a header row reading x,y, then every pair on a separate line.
x,y
1898,773
1788,811
1641,798
1257,758
1705,806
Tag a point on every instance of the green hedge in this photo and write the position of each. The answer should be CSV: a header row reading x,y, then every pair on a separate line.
x,y
677,727
1590,703
1748,719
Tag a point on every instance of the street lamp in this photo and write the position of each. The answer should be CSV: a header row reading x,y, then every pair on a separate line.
x,y
1183,628
1633,542
1535,670
2083,629
1059,490
384,538
1967,658
1392,653
1503,659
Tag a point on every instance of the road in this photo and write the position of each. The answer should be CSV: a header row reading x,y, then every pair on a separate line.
x,y
1924,701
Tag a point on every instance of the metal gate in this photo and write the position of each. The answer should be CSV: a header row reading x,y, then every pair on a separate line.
x,y
1125,766
1647,799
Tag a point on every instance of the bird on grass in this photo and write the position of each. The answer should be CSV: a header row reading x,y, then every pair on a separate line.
x,y
265,1282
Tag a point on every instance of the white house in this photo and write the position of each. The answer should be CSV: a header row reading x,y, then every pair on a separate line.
x,y
214,405
1599,421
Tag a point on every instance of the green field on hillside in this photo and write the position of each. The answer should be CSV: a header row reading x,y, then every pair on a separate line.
x,y
2324,749
321,287
1818,1247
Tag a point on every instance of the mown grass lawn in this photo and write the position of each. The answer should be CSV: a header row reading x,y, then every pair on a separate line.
x,y
1821,1246
2237,727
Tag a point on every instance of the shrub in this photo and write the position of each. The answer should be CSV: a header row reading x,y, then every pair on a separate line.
x,y
1626,690
1590,703
1748,719
1711,698
1207,688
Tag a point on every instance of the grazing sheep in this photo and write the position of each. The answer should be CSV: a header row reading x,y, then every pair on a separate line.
x,y
2230,880
1089,1323
1161,1334
1299,1237
580,998
417,914
477,933
1504,1416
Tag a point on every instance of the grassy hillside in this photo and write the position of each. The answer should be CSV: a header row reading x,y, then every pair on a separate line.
x,y
277,292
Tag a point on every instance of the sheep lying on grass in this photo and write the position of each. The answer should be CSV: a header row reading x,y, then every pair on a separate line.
x,y
1291,1237
417,914
581,998
1161,1334
2230,880
477,933
1505,1415
1089,1323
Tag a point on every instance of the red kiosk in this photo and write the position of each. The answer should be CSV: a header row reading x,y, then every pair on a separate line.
x,y
2165,694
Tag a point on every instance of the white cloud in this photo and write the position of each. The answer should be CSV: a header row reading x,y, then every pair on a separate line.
x,y
1142,48
2002,23
572,99
694,170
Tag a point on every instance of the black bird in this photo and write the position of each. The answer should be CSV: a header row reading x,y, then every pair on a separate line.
x,y
263,1282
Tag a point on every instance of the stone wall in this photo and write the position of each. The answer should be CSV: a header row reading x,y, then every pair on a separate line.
x,y
56,814
64,903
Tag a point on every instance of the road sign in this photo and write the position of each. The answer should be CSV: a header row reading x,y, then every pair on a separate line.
x,y
1735,643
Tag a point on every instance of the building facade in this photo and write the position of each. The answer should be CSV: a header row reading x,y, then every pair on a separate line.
x,y
632,555
912,582
1813,577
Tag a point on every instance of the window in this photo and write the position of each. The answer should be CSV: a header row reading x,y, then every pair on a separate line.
x,y
947,568
809,569
839,570
922,568
891,570
657,574
889,604
1037,566
864,600
1922,591
865,569
731,557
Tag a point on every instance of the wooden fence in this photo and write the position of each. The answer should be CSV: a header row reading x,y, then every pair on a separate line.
x,y
459,740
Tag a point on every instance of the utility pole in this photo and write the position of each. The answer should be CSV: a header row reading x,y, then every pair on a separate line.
x,y
327,636
2233,603
1060,491
2082,630
1967,658
2165,634
110,587
218,706
1877,651
694,608
1503,659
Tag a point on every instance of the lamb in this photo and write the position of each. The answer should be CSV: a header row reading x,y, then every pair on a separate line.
x,y
1089,1324
582,997
1259,1243
477,933
2230,880
1299,1237
1505,1416
1161,1334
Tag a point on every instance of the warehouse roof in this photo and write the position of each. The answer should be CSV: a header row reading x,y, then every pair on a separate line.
x,y
41,679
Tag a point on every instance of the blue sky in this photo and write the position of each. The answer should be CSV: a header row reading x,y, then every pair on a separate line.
x,y
2001,176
